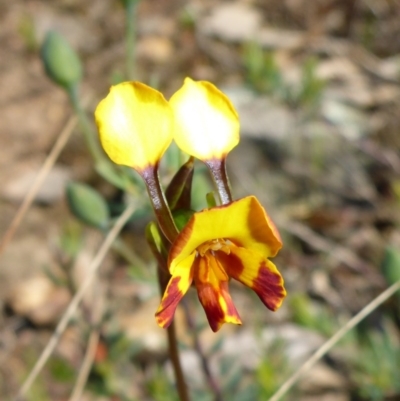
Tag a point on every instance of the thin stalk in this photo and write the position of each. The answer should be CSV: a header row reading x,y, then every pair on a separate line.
x,y
324,348
173,345
38,181
217,168
86,127
73,305
159,203
130,7
122,248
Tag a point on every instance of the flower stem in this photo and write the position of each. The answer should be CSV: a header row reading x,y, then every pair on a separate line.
x,y
88,132
159,203
130,7
173,345
217,168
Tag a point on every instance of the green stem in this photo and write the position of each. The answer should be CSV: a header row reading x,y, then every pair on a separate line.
x,y
217,168
85,125
127,253
130,38
159,203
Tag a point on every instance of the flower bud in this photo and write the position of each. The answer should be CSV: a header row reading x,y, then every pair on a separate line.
x,y
61,62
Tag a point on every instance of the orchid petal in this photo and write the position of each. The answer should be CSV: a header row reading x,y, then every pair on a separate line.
x,y
178,285
135,124
244,222
212,288
256,272
207,125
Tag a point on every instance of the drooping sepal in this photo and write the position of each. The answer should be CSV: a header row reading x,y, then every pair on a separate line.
x,y
211,283
177,287
178,192
256,272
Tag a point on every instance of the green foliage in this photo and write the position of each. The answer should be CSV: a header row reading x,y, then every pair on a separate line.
x,y
181,217
61,62
201,186
311,86
391,267
262,71
187,18
273,369
27,31
113,174
377,367
71,240
88,205
264,76
129,3
211,201
307,315
112,375
159,388
61,370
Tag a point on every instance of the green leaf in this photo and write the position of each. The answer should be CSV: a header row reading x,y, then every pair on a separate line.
x,y
181,217
88,205
391,266
108,171
179,190
153,237
61,62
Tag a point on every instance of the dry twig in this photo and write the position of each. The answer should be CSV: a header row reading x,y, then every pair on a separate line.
x,y
321,351
72,307
43,172
86,365
90,354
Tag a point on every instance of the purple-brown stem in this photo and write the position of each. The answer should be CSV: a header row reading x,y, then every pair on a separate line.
x,y
173,344
159,203
217,168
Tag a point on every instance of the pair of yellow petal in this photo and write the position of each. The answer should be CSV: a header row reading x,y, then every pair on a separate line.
x,y
136,124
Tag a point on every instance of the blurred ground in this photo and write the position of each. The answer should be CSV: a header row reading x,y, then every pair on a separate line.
x,y
317,88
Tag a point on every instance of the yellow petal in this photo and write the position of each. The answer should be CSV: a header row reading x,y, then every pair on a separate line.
x,y
256,272
207,125
243,222
135,124
212,289
176,289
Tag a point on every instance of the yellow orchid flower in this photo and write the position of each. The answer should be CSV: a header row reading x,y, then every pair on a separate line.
x,y
233,240
135,124
206,123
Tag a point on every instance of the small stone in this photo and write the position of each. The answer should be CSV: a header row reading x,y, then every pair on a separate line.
x,y
260,117
51,191
235,22
155,48
321,378
140,326
39,300
299,342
